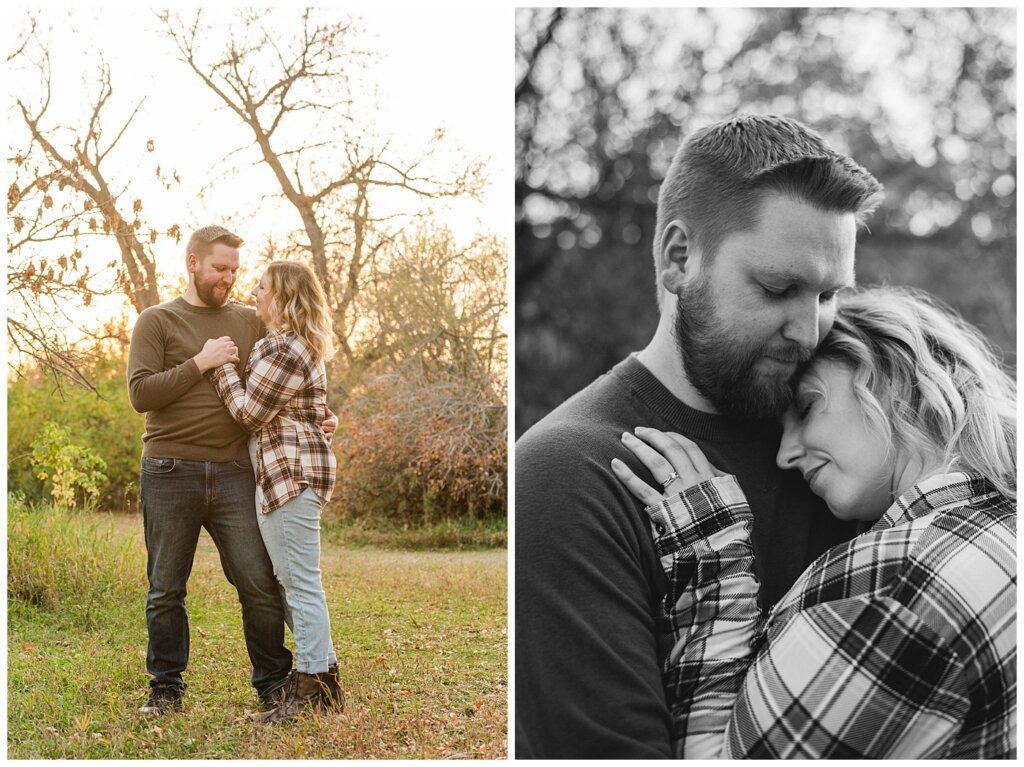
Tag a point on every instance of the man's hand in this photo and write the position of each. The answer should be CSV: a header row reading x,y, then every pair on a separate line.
x,y
216,352
330,424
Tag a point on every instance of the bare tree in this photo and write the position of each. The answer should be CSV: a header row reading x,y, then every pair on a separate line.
x,y
294,96
77,162
60,193
437,309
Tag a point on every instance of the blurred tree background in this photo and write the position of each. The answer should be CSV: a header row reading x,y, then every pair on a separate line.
x,y
924,98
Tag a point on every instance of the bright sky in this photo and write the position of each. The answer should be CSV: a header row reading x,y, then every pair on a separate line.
x,y
437,68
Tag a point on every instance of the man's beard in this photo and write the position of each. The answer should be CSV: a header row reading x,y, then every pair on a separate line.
x,y
207,293
723,368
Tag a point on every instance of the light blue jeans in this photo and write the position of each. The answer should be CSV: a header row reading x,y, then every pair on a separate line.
x,y
292,537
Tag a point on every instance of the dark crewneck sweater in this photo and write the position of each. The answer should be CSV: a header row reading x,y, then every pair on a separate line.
x,y
185,418
588,581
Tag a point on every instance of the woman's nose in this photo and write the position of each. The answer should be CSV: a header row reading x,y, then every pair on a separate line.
x,y
790,449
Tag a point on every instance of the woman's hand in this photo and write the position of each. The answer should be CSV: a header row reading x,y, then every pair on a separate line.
x,y
675,461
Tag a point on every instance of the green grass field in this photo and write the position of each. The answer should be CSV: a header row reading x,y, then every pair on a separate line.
x,y
421,639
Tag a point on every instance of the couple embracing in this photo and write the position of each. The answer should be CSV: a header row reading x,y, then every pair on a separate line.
x,y
238,441
787,527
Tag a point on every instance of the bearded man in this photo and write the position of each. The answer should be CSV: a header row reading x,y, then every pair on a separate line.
x,y
196,471
755,238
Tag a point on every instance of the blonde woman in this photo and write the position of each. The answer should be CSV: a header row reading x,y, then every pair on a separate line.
x,y
282,403
898,644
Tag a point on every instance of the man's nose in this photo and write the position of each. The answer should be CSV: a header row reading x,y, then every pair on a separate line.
x,y
790,449
803,326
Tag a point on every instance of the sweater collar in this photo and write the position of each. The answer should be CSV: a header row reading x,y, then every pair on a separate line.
x,y
694,423
207,310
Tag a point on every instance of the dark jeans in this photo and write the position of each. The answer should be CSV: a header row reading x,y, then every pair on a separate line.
x,y
178,498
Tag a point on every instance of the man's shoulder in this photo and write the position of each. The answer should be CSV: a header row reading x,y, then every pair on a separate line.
x,y
163,309
159,315
571,509
591,418
564,460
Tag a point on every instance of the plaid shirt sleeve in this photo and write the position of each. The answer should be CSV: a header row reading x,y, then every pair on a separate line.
x,y
273,380
855,677
702,536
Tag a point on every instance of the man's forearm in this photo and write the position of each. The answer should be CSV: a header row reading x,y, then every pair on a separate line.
x,y
150,385
150,390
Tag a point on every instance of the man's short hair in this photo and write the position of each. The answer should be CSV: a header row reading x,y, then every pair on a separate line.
x,y
719,174
202,240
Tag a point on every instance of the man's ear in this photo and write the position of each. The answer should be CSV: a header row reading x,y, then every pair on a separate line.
x,y
191,260
677,258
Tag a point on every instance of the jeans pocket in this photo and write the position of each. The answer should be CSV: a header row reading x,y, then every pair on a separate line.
x,y
158,465
243,465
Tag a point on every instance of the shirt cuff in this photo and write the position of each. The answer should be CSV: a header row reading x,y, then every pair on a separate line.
x,y
698,513
220,373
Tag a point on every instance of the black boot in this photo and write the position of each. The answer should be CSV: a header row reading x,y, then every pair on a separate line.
x,y
163,699
273,697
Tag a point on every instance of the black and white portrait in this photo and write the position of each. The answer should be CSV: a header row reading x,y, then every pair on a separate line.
x,y
765,400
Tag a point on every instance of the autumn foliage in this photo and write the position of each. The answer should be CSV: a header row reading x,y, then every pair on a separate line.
x,y
415,452
423,433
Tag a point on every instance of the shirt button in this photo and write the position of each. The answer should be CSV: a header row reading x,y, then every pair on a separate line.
x,y
660,529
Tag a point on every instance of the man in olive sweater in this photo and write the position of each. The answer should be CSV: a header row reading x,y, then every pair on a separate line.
x,y
754,238
196,471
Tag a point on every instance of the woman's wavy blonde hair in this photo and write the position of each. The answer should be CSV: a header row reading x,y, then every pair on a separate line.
x,y
927,378
298,303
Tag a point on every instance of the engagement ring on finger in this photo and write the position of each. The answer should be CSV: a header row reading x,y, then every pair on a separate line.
x,y
669,479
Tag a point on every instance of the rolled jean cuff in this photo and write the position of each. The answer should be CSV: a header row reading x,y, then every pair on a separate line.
x,y
314,666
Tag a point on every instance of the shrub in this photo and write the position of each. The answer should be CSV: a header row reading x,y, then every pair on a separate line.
x,y
102,422
418,452
71,470
60,559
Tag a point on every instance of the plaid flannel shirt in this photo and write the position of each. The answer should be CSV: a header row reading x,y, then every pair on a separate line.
x,y
284,401
898,644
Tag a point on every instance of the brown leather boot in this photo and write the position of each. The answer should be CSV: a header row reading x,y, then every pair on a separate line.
x,y
332,697
302,693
